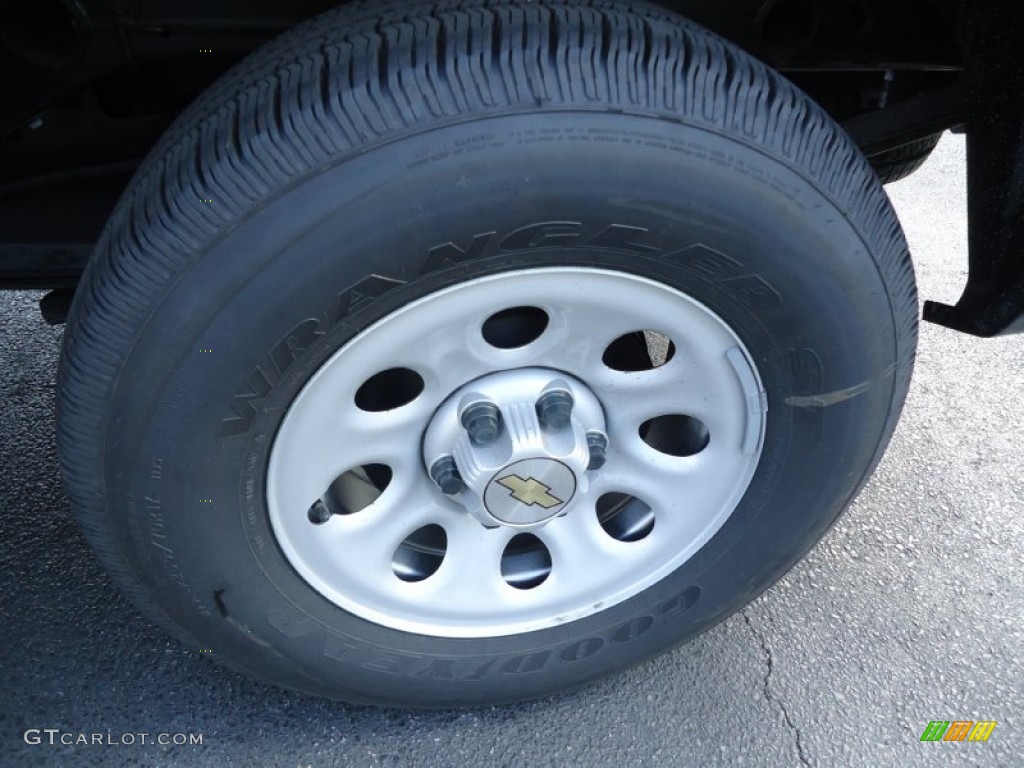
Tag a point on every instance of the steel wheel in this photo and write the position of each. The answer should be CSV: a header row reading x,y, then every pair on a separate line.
x,y
355,509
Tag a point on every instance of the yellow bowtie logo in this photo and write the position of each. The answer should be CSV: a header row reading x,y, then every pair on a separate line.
x,y
530,491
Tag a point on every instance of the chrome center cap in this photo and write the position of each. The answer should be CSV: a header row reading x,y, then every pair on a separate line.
x,y
517,448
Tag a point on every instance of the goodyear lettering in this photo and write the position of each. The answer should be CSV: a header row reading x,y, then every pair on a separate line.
x,y
532,662
582,650
633,629
393,663
445,669
675,607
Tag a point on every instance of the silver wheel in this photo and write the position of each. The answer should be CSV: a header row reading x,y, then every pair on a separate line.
x,y
395,505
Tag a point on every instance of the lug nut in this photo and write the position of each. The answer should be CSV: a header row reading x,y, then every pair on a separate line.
x,y
319,513
446,475
482,421
554,409
597,442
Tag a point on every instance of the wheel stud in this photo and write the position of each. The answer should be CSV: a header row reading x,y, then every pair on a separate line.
x,y
446,475
554,409
597,442
482,421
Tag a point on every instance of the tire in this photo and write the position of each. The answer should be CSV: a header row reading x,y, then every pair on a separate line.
x,y
899,163
392,169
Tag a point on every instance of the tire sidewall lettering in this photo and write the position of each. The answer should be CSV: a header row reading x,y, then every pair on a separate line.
x,y
394,663
703,261
306,337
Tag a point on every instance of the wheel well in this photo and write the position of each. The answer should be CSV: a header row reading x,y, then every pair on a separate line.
x,y
92,84
95,83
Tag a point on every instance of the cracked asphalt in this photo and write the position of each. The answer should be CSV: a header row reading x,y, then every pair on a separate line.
x,y
908,611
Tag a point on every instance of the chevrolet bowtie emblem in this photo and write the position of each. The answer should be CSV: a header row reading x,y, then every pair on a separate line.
x,y
530,491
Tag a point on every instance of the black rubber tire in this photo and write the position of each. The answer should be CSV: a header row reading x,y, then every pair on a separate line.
x,y
897,164
387,150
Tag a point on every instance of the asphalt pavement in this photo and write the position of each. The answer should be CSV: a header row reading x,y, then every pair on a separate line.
x,y
908,611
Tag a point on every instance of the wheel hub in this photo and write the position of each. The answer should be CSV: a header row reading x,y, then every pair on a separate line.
x,y
517,448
